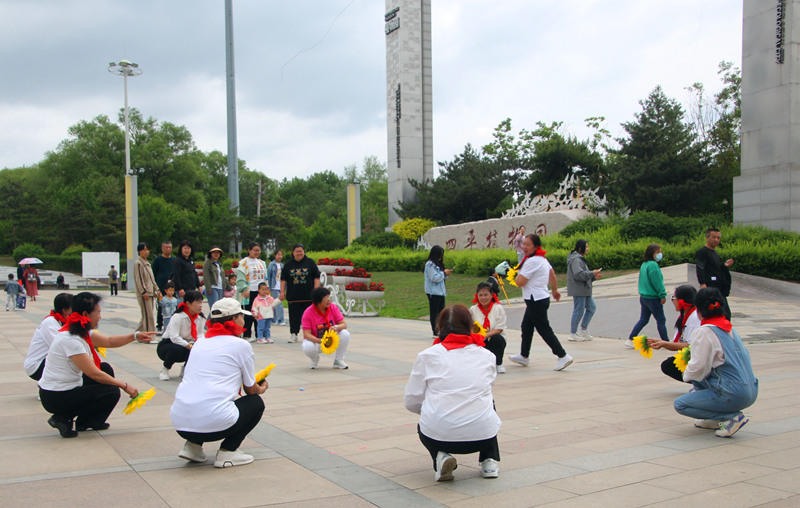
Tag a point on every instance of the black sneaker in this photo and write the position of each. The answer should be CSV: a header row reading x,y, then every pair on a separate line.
x,y
80,427
63,425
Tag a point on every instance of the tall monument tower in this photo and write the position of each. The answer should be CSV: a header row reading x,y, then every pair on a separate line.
x,y
768,190
409,98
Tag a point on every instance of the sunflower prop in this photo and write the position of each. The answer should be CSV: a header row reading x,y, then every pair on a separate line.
x,y
511,275
330,341
682,358
642,346
262,374
477,328
139,401
101,351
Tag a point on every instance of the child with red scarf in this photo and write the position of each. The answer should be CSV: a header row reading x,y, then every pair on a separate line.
x,y
45,334
686,324
489,313
181,333
450,387
719,370
74,383
206,406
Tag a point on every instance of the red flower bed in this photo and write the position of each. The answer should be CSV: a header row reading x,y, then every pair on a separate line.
x,y
335,262
355,272
360,286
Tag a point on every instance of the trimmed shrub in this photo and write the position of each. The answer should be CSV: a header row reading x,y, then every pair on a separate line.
x,y
380,240
28,250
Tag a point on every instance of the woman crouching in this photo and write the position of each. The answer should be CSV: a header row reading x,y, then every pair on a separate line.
x,y
450,387
204,409
75,384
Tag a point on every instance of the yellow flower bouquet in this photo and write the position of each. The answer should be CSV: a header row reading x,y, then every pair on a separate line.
x,y
477,328
511,275
139,401
330,341
682,358
642,346
263,373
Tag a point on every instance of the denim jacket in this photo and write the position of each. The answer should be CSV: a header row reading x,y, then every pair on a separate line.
x,y
434,280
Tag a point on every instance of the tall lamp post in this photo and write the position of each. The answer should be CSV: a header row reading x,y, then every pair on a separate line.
x,y
127,68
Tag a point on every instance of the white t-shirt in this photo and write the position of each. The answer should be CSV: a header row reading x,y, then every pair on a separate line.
x,y
42,339
218,368
452,392
60,373
255,270
537,270
497,316
692,324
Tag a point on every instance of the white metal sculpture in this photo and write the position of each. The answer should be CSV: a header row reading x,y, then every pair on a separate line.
x,y
569,196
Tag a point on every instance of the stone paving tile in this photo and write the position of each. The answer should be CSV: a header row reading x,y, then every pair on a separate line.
x,y
698,480
737,495
612,478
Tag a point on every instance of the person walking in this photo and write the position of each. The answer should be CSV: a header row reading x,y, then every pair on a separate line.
x,y
162,270
112,280
13,289
711,271
299,277
579,287
652,294
146,289
533,277
31,278
255,272
435,289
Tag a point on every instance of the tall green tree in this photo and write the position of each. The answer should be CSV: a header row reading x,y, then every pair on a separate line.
x,y
660,165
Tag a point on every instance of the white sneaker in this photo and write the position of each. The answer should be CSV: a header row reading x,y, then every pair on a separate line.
x,y
314,363
445,464
707,424
730,427
292,338
629,344
574,337
193,452
490,468
230,459
563,363
520,360
164,374
583,332
501,369
339,364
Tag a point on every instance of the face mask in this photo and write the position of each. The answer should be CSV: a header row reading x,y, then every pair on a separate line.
x,y
658,257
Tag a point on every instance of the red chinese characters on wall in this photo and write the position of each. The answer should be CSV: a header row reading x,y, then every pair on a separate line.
x,y
471,239
541,230
491,240
450,244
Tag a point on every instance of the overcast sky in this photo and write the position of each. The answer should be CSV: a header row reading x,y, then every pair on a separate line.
x,y
310,74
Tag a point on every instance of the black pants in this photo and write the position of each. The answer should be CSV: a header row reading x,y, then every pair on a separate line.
x,y
486,448
248,320
296,310
113,286
535,318
90,403
497,345
435,306
668,367
38,374
251,407
171,353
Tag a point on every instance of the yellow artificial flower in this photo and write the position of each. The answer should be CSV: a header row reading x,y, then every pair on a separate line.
x,y
101,351
641,345
330,341
262,374
139,401
682,358
477,328
511,275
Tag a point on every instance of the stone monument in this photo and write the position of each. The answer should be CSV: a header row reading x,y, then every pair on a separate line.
x,y
409,98
768,190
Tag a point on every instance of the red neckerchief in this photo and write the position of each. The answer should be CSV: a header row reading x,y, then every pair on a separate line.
x,y
720,322
324,316
539,252
182,307
83,321
687,309
58,317
226,328
455,341
486,312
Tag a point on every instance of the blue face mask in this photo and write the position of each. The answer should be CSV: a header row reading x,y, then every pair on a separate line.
x,y
658,257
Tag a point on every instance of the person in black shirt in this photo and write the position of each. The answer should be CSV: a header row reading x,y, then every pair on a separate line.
x,y
299,277
492,281
162,270
711,271
184,275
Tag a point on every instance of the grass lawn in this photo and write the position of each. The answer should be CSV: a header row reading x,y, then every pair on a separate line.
x,y
405,293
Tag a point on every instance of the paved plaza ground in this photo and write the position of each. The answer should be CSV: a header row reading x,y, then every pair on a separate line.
x,y
600,433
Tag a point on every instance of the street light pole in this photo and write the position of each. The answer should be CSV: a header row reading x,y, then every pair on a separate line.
x,y
126,68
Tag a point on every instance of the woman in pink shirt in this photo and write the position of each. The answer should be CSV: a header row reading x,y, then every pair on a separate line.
x,y
318,318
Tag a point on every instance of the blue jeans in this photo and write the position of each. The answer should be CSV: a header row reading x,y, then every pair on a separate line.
x,y
262,328
214,296
651,306
278,314
708,403
582,306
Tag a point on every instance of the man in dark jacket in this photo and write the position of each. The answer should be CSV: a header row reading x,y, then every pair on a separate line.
x,y
711,271
162,270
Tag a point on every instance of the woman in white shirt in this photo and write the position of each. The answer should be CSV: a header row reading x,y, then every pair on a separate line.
x,y
687,323
255,272
45,334
74,383
489,313
181,333
450,387
204,409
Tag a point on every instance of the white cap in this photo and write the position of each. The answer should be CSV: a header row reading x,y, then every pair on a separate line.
x,y
227,307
